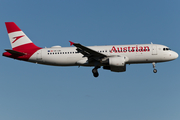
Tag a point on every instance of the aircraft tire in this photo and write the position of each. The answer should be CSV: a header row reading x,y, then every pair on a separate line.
x,y
155,71
95,72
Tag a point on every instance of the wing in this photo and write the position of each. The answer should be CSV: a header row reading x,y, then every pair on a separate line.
x,y
87,52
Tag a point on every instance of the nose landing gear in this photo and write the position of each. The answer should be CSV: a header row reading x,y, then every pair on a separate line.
x,y
155,70
95,71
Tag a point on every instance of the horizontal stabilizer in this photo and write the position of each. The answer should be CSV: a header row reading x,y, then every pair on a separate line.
x,y
13,52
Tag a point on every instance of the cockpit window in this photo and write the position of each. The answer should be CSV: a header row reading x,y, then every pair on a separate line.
x,y
166,49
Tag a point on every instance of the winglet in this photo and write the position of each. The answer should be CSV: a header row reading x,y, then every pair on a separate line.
x,y
71,43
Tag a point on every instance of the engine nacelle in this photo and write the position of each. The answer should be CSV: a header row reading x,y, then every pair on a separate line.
x,y
117,64
117,61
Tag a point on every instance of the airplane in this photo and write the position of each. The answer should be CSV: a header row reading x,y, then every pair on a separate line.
x,y
110,57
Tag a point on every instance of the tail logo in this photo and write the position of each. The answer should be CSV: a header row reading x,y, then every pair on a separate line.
x,y
16,38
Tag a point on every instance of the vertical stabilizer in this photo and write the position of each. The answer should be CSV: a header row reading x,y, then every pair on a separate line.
x,y
18,40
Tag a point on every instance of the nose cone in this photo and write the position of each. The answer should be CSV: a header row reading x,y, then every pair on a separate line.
x,y
175,55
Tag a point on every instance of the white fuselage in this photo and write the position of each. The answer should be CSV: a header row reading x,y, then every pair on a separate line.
x,y
68,56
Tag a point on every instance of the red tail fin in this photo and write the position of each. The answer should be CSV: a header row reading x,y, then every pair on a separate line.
x,y
23,47
19,40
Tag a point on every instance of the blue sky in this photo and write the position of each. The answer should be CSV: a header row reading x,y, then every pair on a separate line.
x,y
30,91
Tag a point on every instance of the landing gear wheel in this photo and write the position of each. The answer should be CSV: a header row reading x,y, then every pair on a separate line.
x,y
155,71
95,72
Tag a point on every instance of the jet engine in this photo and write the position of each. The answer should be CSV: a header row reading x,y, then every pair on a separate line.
x,y
116,64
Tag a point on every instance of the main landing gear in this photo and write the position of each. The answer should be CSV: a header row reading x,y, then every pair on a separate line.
x,y
155,71
95,71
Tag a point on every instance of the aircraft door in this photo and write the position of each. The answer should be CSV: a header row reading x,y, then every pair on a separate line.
x,y
154,49
39,55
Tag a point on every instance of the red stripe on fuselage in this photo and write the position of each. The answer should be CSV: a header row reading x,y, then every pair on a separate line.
x,y
29,49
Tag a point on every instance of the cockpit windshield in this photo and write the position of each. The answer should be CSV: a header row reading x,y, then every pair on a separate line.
x,y
166,49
